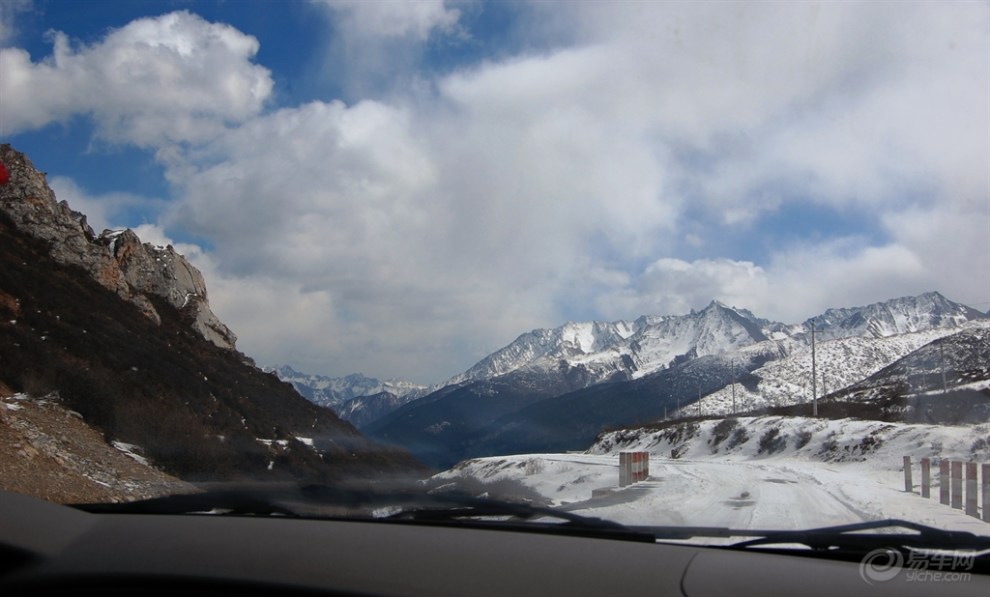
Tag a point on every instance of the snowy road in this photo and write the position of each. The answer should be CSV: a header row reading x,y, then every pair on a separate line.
x,y
731,494
780,493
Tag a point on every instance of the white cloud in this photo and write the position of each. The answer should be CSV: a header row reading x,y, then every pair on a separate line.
x,y
674,286
523,190
794,286
337,209
417,20
808,280
374,49
10,11
155,81
412,234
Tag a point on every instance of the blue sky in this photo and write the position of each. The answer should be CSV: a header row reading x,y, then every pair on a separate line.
x,y
400,188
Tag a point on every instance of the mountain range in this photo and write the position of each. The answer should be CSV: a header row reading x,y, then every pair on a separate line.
x,y
556,389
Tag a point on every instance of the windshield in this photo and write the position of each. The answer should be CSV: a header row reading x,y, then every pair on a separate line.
x,y
721,264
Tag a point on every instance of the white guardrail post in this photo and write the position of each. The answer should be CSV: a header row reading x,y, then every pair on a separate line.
x,y
943,482
908,486
986,492
957,485
625,471
971,488
951,489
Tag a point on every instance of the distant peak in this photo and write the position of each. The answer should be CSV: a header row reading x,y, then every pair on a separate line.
x,y
716,306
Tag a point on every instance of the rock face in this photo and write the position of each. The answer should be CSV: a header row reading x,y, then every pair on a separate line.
x,y
161,271
117,260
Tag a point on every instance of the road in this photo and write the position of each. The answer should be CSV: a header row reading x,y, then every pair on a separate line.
x,y
781,493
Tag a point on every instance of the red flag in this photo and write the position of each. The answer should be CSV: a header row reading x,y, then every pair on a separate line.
x,y
4,175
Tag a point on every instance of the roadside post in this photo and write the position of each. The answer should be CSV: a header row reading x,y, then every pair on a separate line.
x,y
943,482
926,477
957,485
908,485
986,492
971,487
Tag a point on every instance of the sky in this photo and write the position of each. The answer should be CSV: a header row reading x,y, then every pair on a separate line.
x,y
401,188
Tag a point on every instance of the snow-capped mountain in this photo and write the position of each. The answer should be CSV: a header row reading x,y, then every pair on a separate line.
x,y
547,389
630,349
634,349
897,316
335,391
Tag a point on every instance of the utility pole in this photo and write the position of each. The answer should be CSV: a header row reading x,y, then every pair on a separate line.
x,y
941,355
814,374
733,387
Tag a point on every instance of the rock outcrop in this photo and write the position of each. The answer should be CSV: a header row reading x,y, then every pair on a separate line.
x,y
117,260
160,271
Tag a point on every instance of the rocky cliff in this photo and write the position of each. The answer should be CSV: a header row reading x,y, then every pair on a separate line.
x,y
117,260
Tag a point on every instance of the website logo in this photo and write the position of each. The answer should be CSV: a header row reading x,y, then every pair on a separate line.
x,y
881,565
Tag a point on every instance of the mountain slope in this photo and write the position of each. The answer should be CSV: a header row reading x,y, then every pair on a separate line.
x,y
960,361
364,410
47,451
840,363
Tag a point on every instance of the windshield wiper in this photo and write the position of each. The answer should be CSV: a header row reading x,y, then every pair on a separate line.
x,y
234,501
851,537
845,537
460,509
413,506
480,513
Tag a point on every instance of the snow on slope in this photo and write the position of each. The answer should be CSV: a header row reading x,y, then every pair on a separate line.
x,y
768,472
840,363
565,342
880,444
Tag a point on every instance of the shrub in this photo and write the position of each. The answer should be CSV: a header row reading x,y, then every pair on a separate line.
x,y
739,436
721,432
534,466
772,442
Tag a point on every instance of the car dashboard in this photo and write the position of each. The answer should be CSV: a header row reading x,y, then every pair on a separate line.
x,y
48,549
